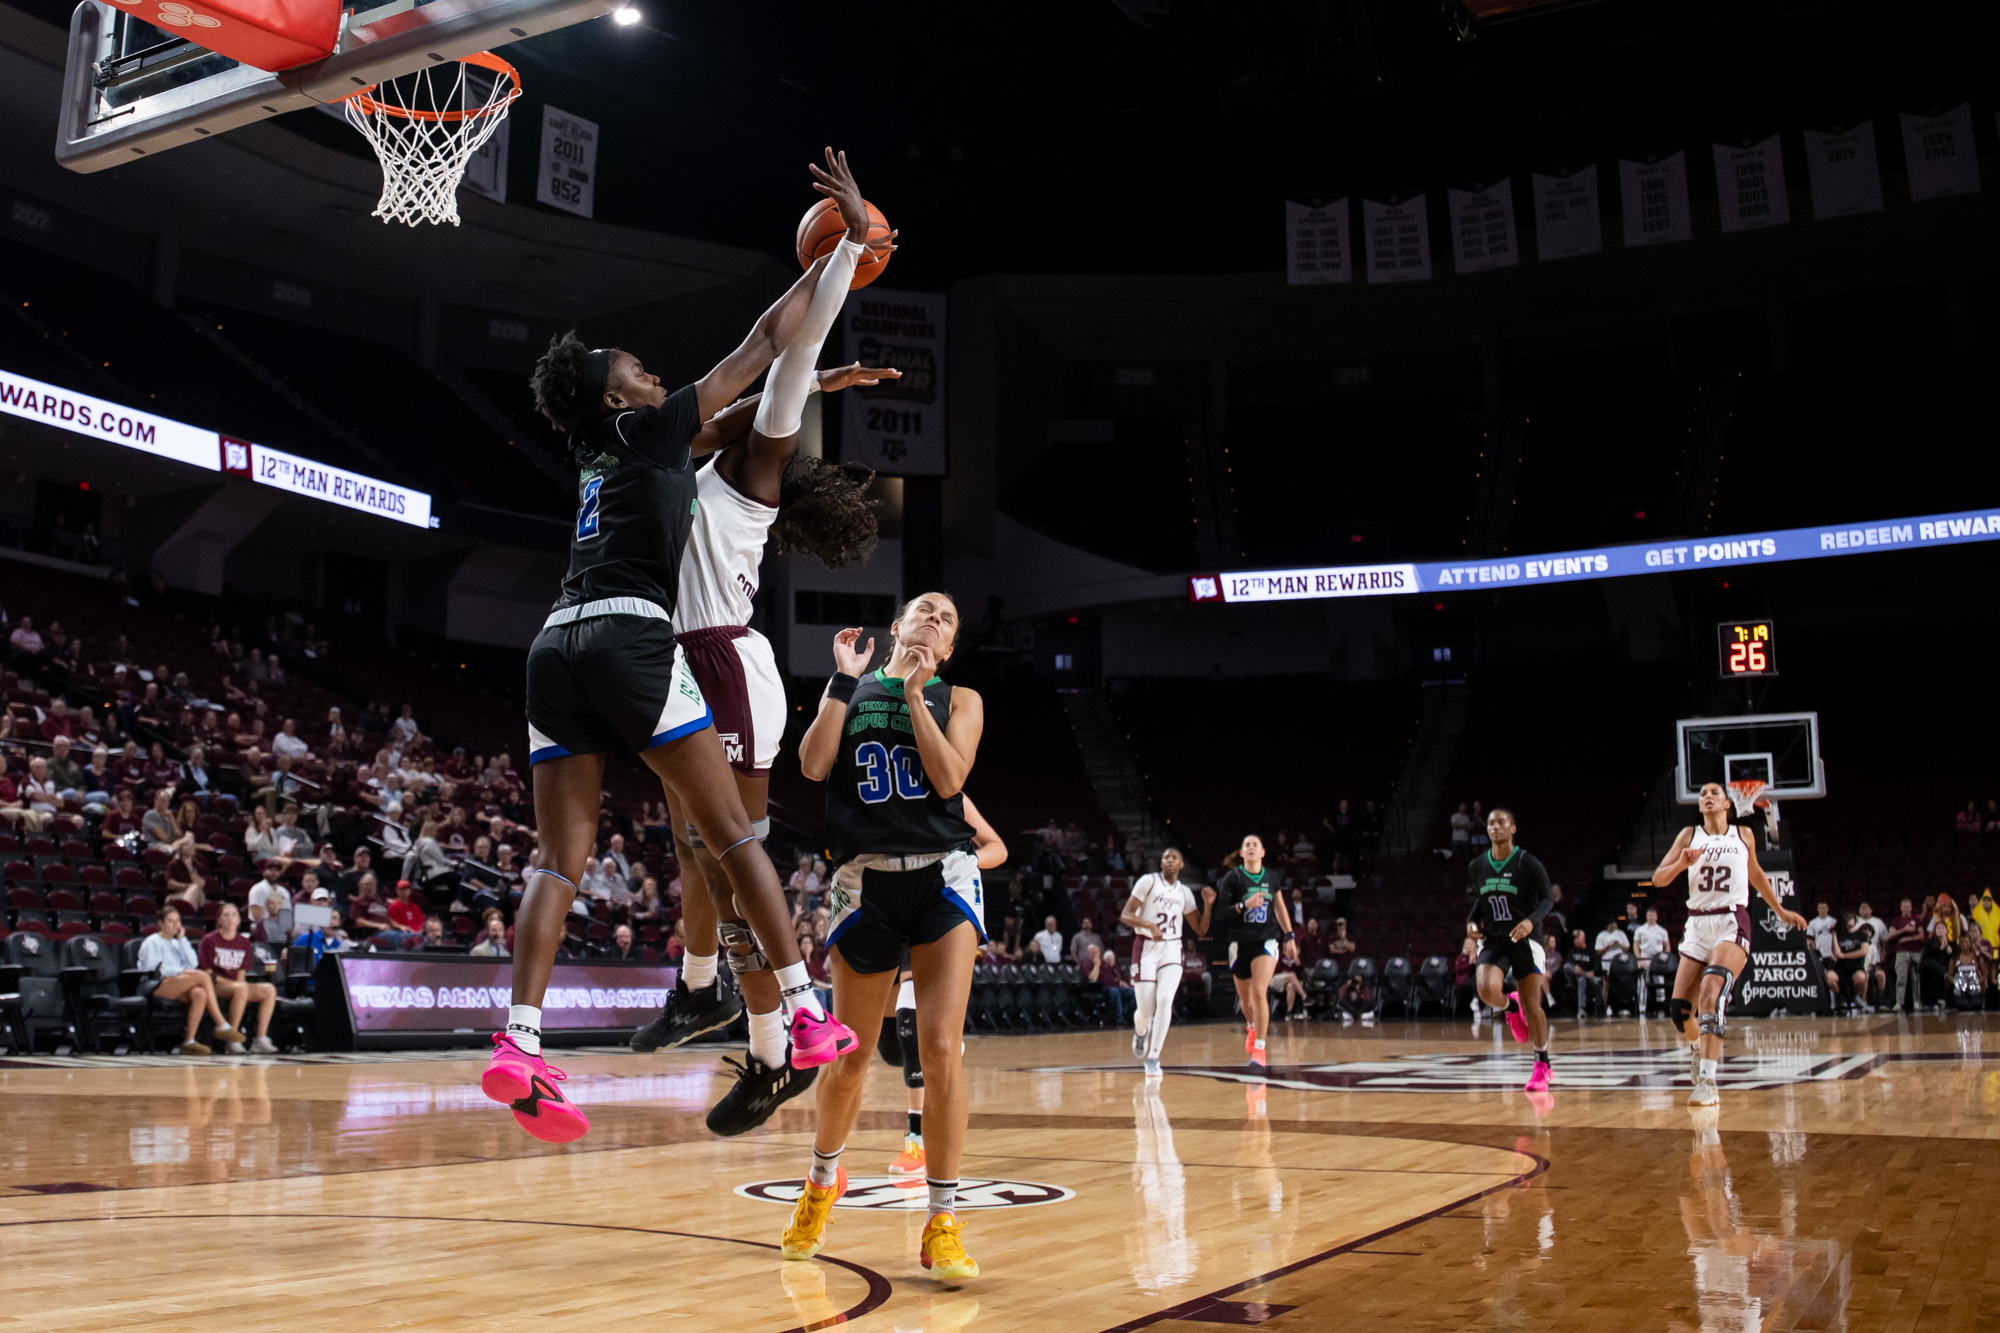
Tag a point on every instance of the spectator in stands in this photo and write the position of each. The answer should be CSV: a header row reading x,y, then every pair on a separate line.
x,y
1461,831
1650,939
434,932
594,892
1878,951
1340,831
350,883
287,744
14,810
260,839
1342,945
1114,856
1820,931
1081,943
1075,845
492,942
255,668
223,955
368,911
615,852
122,818
405,726
185,880
1849,962
98,780
1584,971
195,778
1312,945
27,643
326,939
647,906
41,794
270,896
1285,982
478,876
64,772
406,918
160,770
622,946
1552,955
131,765
428,865
171,957
996,951
1305,856
1946,929
158,827
1612,944
59,722
1906,942
812,952
294,843
1480,842
1049,942
1986,925
676,945
1100,969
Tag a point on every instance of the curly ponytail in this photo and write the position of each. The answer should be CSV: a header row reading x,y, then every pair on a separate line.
x,y
824,510
558,383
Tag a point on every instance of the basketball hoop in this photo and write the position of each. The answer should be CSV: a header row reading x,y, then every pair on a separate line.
x,y
1744,794
425,128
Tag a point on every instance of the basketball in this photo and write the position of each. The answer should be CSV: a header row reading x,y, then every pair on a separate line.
x,y
821,229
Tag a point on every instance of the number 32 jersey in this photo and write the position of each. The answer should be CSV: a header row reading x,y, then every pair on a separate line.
x,y
878,798
1721,878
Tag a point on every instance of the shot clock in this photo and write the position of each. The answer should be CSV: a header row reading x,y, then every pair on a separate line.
x,y
1748,649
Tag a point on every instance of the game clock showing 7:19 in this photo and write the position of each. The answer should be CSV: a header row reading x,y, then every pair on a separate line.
x,y
1749,648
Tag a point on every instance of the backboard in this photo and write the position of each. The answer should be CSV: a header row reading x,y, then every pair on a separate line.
x,y
133,89
1782,749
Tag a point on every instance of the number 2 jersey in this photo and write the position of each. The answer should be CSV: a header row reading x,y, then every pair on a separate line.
x,y
636,495
877,796
1507,892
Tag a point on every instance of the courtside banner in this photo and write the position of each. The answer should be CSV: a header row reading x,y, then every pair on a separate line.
x,y
164,437
416,992
104,420
1610,562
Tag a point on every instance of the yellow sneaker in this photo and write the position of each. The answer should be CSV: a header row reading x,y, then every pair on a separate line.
x,y
942,1253
809,1218
911,1161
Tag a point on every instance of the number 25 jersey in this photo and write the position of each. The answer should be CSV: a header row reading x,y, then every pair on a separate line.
x,y
878,798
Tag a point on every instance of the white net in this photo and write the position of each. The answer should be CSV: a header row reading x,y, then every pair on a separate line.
x,y
426,126
1743,794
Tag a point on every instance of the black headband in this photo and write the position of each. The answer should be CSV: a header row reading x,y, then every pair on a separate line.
x,y
596,374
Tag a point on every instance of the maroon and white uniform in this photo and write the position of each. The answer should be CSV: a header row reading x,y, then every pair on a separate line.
x,y
1718,893
732,663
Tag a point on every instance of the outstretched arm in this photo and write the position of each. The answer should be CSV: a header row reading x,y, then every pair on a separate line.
x,y
774,328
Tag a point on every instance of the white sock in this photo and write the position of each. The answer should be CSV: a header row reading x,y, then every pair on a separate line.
x,y
1708,1070
782,408
698,969
767,1037
906,995
796,989
1163,1010
825,1167
944,1195
524,1025
1142,1006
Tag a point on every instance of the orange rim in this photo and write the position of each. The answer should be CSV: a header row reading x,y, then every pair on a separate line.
x,y
484,59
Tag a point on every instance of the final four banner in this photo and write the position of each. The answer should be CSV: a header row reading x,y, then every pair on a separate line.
x,y
1750,184
1316,245
1939,153
896,427
1654,194
1566,218
1482,227
1399,238
1840,164
1609,562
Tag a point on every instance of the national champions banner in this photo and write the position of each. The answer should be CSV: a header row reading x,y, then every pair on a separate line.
x,y
1784,975
897,427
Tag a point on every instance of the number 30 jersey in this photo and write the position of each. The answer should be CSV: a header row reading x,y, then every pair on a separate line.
x,y
877,796
1506,892
1721,878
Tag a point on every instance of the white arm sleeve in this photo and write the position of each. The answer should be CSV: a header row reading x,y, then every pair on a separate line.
x,y
782,408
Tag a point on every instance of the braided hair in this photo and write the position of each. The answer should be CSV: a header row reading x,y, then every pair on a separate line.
x,y
559,383
824,510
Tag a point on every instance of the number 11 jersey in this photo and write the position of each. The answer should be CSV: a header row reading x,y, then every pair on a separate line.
x,y
878,798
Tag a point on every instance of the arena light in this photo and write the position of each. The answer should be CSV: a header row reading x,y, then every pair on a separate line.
x,y
626,16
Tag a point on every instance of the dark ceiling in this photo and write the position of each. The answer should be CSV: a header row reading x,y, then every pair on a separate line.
x,y
1161,135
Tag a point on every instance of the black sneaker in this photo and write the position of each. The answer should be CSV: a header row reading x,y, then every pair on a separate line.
x,y
688,1014
760,1089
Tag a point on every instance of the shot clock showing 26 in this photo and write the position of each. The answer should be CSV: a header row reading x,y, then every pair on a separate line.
x,y
1747,648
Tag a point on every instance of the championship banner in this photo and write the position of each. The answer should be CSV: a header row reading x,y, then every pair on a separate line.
x,y
1840,165
1784,975
1610,562
897,427
1940,155
1316,248
1566,218
1654,194
569,162
1750,184
1482,227
1398,232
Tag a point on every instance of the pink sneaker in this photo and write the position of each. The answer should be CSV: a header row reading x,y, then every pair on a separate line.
x,y
819,1040
527,1084
1517,1024
1539,1080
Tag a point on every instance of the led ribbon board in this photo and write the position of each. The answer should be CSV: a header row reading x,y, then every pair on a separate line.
x,y
164,437
1609,562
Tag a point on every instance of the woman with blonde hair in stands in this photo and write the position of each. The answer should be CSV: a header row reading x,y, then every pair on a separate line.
x,y
171,955
260,840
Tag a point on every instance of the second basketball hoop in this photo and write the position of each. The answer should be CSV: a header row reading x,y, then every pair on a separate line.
x,y
426,126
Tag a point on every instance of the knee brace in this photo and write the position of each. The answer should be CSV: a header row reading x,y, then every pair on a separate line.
x,y
752,958
1680,1011
906,1035
760,829
1711,1025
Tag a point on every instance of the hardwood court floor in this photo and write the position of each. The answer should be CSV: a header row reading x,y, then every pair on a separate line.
x,y
1386,1178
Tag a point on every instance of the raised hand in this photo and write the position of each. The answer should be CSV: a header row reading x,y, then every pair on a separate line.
x,y
923,666
847,659
1689,855
1207,895
846,377
837,182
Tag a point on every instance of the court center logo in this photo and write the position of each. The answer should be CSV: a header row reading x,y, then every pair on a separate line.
x,y
903,1194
